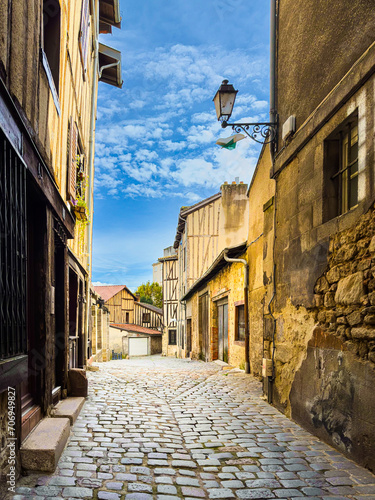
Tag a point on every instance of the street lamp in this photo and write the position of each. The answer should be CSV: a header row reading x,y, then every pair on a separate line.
x,y
263,133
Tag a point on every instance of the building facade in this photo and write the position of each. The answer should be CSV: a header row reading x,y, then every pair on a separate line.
x,y
319,333
203,231
49,72
169,263
215,310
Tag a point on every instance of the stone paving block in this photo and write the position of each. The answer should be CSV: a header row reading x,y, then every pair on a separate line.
x,y
167,489
288,493
169,414
259,493
108,495
138,496
77,492
140,487
220,493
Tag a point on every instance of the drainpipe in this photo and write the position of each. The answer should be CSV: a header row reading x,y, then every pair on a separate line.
x,y
91,166
273,118
246,308
273,114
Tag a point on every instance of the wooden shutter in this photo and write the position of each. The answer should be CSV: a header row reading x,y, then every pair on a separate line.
x,y
84,34
72,167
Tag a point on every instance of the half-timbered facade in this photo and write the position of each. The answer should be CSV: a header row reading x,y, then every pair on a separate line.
x,y
203,231
49,73
120,302
125,309
170,300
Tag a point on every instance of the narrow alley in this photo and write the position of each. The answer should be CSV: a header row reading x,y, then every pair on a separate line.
x,y
167,428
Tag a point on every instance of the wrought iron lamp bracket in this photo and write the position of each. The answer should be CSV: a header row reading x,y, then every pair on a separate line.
x,y
263,133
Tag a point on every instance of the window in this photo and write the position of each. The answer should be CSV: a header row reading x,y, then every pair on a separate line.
x,y
127,318
51,39
84,35
172,337
240,323
146,318
341,169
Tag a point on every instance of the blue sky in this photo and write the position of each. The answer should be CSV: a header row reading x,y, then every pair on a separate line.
x,y
155,138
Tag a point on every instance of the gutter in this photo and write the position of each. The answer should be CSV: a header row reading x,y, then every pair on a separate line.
x,y
246,308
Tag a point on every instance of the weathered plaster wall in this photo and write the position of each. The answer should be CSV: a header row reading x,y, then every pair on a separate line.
x,y
115,340
260,255
234,215
312,40
323,334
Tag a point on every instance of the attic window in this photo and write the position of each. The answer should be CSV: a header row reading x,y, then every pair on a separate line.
x,y
146,318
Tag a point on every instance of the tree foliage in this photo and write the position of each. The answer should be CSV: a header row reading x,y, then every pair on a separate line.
x,y
151,293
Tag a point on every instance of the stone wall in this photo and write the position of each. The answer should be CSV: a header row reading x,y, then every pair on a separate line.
x,y
345,293
332,391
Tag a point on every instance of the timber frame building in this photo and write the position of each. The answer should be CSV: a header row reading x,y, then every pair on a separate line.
x,y
50,63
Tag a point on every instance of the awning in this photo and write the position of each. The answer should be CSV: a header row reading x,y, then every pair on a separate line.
x,y
109,15
110,65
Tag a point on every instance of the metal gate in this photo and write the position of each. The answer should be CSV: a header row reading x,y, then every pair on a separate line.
x,y
13,339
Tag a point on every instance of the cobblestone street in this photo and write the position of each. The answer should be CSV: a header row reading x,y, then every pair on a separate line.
x,y
162,428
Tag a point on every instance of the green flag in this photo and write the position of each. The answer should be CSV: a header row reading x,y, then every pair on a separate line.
x,y
230,142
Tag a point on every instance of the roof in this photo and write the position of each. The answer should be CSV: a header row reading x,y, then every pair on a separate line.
x,y
135,328
218,264
150,306
171,257
110,65
109,15
107,292
185,211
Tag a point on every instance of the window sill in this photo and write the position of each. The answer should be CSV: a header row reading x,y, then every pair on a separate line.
x,y
51,83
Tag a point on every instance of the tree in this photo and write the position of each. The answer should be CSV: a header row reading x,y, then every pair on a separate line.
x,y
151,293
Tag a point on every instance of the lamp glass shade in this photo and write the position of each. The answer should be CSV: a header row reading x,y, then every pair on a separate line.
x,y
224,101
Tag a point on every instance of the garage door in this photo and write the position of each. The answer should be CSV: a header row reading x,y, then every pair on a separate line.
x,y
138,346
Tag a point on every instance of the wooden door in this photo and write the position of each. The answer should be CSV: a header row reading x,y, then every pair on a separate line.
x,y
222,313
203,327
188,336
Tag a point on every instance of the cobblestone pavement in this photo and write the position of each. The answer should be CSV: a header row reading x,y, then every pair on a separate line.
x,y
161,428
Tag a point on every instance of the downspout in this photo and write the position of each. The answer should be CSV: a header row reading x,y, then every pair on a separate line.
x,y
274,119
91,167
273,113
246,308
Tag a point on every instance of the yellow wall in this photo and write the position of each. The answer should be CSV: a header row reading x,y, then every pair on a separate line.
x,y
260,255
25,77
228,283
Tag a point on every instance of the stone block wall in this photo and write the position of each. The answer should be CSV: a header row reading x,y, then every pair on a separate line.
x,y
345,293
332,389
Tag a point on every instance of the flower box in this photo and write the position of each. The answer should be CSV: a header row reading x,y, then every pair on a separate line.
x,y
80,213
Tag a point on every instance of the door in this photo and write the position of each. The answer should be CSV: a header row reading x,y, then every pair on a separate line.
x,y
203,327
222,314
138,346
188,336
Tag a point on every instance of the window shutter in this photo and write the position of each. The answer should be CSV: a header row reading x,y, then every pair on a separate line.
x,y
84,34
72,167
